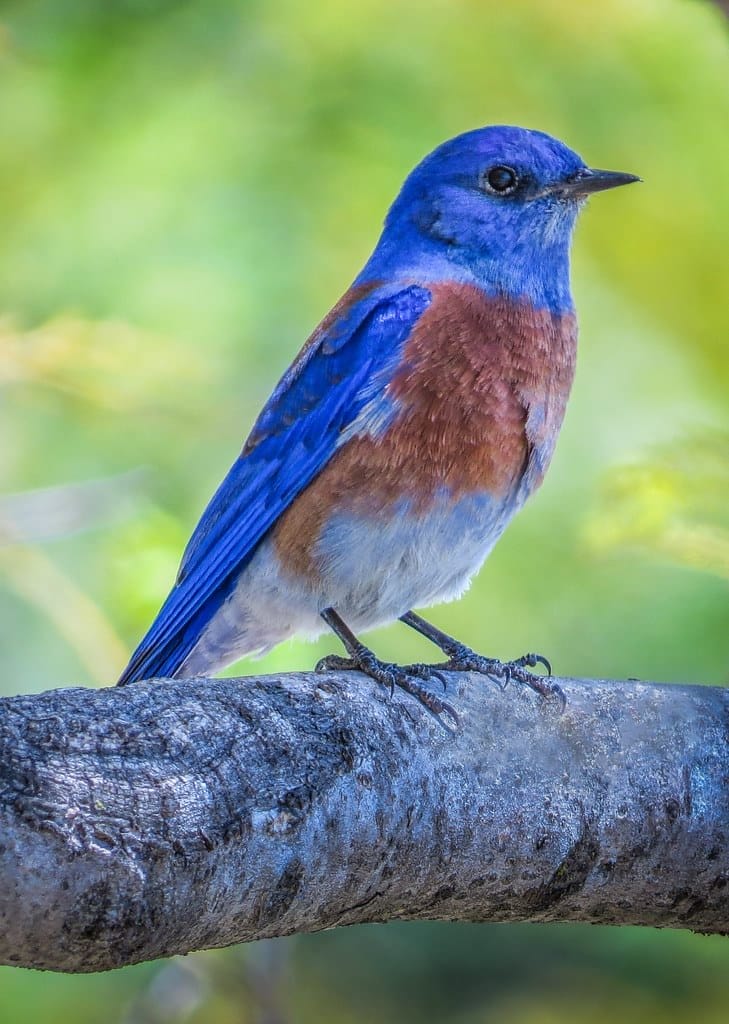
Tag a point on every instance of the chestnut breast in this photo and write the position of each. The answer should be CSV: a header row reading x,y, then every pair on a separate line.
x,y
479,396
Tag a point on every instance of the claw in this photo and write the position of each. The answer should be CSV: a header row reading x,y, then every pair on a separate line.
x,y
559,693
450,711
385,673
550,691
434,704
541,685
443,681
462,659
426,672
532,660
392,676
501,681
504,672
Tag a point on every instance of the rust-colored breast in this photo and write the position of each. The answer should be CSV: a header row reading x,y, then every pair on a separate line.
x,y
483,384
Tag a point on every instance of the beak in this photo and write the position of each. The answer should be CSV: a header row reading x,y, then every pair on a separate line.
x,y
588,180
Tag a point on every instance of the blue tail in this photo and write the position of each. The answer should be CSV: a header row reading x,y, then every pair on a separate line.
x,y
155,660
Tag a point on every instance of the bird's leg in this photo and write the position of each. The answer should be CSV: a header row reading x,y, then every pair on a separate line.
x,y
362,659
462,659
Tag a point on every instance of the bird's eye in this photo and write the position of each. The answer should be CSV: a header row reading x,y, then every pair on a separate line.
x,y
501,180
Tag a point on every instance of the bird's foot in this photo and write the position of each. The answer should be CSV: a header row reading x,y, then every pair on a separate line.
x,y
462,659
390,675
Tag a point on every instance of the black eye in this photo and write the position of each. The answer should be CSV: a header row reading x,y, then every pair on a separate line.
x,y
501,180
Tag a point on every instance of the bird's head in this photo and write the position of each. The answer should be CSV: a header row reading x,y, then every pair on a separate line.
x,y
500,203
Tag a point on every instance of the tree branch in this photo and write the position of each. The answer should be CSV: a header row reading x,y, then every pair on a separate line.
x,y
165,817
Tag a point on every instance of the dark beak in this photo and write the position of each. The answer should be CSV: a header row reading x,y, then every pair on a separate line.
x,y
589,180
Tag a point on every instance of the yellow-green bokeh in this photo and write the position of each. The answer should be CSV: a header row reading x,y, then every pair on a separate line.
x,y
186,188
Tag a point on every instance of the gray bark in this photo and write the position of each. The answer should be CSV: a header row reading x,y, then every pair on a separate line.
x,y
165,817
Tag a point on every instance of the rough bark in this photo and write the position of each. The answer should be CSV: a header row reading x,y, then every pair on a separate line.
x,y
170,816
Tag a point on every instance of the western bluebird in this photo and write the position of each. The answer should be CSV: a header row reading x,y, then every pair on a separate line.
x,y
416,420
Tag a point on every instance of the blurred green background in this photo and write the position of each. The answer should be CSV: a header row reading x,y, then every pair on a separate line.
x,y
186,188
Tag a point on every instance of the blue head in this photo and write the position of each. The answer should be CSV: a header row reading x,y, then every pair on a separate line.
x,y
496,206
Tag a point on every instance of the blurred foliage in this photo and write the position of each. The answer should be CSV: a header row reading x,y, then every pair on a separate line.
x,y
674,506
187,187
109,364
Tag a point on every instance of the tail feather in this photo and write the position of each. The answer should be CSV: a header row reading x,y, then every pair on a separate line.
x,y
154,660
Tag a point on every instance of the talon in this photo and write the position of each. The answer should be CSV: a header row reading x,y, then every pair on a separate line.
x,y
463,659
532,660
553,691
544,688
505,672
389,675
426,672
392,676
435,705
443,680
502,680
559,693
447,709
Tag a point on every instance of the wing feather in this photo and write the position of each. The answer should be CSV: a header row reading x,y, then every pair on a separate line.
x,y
345,365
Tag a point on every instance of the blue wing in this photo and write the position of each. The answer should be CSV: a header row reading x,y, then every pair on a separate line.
x,y
345,366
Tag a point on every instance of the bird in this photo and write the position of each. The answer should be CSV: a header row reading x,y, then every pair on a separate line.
x,y
414,423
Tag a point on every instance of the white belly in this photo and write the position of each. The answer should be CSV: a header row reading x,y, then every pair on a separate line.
x,y
370,574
